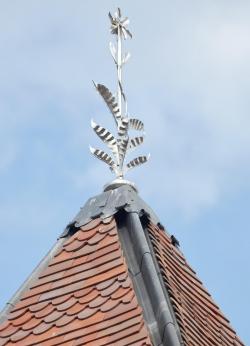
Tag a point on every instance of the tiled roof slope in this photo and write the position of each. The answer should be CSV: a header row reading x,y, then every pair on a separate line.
x,y
84,296
199,318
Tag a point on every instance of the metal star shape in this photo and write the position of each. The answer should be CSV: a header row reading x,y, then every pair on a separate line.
x,y
118,22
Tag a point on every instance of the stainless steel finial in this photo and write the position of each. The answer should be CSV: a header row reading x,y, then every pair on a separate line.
x,y
117,105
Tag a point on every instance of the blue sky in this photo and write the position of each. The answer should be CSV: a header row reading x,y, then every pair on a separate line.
x,y
188,80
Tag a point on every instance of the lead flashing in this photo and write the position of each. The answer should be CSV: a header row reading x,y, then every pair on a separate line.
x,y
108,204
149,289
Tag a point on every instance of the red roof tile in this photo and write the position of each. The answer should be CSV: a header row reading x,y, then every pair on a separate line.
x,y
199,318
83,297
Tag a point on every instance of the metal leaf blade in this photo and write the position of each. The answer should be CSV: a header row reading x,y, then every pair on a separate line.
x,y
101,155
104,135
137,162
109,99
112,51
126,58
135,142
136,124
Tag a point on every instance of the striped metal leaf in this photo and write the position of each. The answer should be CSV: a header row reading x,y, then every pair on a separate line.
x,y
137,162
101,155
135,142
104,135
136,124
109,99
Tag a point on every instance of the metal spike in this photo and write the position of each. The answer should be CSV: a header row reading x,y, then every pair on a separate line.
x,y
129,33
125,21
124,32
111,18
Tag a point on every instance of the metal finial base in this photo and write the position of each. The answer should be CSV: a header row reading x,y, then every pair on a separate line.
x,y
117,183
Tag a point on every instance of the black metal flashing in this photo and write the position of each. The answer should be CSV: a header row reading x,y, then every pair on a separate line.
x,y
108,204
145,275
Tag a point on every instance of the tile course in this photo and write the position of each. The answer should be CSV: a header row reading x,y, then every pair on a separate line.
x,y
83,297
200,320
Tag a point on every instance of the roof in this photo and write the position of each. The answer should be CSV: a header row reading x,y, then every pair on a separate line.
x,y
199,318
83,296
114,278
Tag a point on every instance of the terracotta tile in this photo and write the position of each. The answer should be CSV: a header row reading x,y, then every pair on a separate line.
x,y
121,292
67,304
110,305
45,312
20,335
91,224
15,313
87,274
117,332
31,324
64,320
61,299
199,318
99,301
84,236
8,331
25,303
54,316
85,290
37,339
3,342
57,268
74,310
22,319
94,262
89,297
42,328
75,245
86,313
4,325
105,284
39,306
106,292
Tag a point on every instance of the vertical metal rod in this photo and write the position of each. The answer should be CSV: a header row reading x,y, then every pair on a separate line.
x,y
119,68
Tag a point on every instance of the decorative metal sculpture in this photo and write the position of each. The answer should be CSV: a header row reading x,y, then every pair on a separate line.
x,y
118,108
